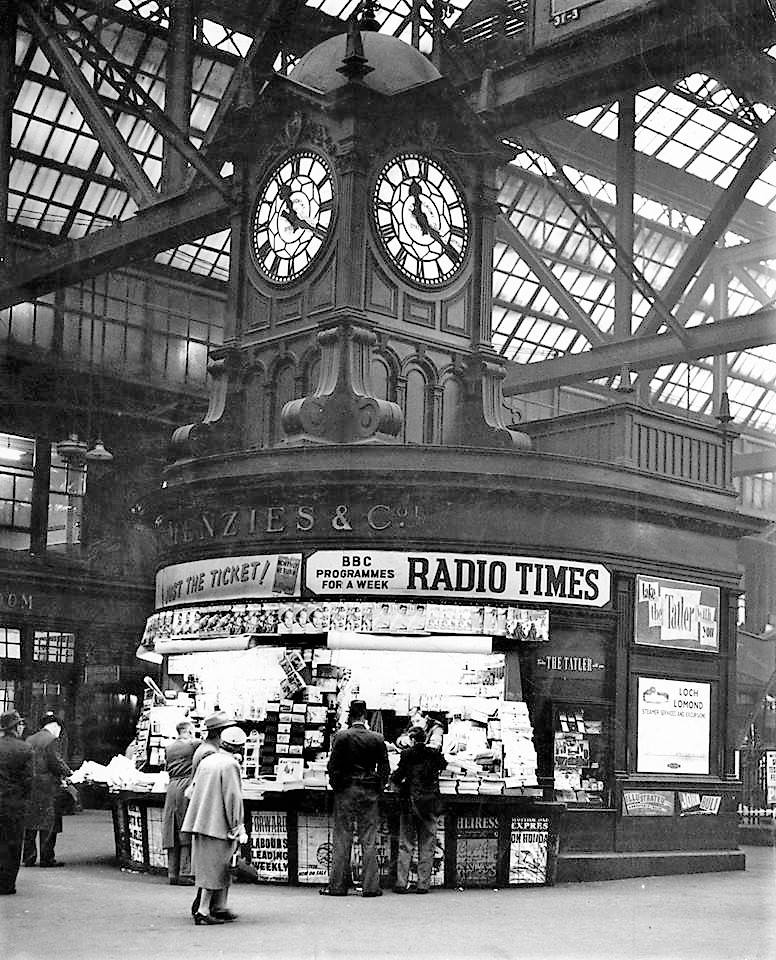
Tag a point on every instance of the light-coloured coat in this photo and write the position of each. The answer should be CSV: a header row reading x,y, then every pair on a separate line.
x,y
216,805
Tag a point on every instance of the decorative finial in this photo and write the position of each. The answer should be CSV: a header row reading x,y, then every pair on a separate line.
x,y
354,65
626,383
368,18
723,415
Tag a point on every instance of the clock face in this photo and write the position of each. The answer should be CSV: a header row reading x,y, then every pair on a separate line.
x,y
294,216
420,218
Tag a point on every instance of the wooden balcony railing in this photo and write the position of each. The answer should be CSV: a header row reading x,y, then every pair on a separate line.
x,y
643,439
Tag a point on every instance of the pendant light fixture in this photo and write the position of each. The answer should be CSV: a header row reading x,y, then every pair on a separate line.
x,y
98,453
72,450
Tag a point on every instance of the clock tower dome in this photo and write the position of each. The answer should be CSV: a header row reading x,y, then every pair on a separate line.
x,y
361,258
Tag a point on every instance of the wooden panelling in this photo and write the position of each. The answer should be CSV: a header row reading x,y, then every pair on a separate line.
x,y
455,312
382,294
647,440
257,310
420,311
321,293
288,309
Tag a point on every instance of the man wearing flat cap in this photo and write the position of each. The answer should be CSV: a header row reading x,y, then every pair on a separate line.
x,y
15,786
44,816
358,771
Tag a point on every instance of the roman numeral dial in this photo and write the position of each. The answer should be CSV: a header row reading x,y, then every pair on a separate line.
x,y
293,216
420,219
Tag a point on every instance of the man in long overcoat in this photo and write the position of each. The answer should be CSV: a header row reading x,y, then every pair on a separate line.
x,y
15,785
178,757
43,813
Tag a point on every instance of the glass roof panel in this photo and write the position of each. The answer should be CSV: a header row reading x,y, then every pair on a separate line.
x,y
60,179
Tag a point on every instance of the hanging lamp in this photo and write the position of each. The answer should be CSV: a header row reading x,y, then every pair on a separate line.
x,y
99,453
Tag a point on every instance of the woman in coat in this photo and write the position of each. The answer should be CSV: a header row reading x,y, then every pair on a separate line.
x,y
214,819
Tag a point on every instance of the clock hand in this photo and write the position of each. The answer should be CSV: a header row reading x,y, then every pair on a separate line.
x,y
289,213
423,222
448,248
417,210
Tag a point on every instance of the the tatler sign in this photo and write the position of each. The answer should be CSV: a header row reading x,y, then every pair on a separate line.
x,y
454,575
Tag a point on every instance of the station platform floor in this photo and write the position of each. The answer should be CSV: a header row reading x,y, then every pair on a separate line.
x,y
91,910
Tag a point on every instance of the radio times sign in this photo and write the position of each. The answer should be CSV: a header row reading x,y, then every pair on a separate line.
x,y
457,576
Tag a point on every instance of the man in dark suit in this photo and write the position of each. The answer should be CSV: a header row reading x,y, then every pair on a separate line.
x,y
15,785
358,771
43,813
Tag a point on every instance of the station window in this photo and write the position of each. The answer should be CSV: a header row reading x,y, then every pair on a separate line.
x,y
45,689
7,695
17,456
10,643
67,485
53,647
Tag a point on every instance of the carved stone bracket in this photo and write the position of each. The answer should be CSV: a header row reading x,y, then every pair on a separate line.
x,y
484,424
217,429
343,408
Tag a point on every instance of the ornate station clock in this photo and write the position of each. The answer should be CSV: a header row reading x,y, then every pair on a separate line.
x,y
293,216
420,218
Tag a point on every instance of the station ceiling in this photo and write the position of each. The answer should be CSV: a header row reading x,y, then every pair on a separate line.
x,y
704,243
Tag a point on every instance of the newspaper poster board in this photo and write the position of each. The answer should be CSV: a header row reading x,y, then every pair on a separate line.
x,y
529,839
476,854
770,776
314,848
269,845
674,726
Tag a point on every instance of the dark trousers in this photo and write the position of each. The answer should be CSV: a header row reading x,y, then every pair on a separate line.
x,y
358,803
48,839
178,861
417,820
11,843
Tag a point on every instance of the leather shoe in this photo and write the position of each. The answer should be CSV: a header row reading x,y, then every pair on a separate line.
x,y
400,890
226,915
374,893
207,918
326,892
52,863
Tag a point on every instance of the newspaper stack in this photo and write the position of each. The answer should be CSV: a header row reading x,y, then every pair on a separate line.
x,y
517,739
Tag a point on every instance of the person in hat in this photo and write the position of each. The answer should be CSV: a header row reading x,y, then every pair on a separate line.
x,y
179,754
15,787
44,815
417,779
214,725
358,771
214,819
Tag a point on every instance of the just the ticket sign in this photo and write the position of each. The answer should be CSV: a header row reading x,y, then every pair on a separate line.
x,y
228,578
458,576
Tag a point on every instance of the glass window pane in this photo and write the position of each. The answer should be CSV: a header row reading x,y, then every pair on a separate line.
x,y
10,643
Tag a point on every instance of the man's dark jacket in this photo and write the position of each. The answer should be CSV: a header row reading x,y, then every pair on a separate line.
x,y
49,769
358,755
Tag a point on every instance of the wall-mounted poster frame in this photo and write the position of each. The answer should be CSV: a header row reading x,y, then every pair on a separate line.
x,y
677,614
673,726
